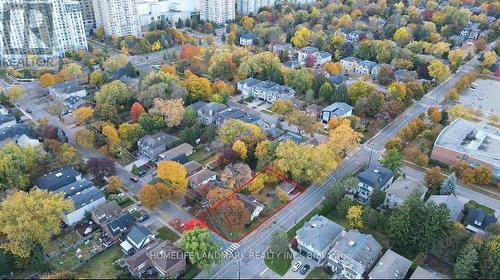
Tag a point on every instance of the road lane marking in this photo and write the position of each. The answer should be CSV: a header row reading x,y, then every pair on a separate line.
x,y
264,271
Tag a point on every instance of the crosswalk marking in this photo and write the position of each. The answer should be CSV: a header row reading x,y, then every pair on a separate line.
x,y
231,249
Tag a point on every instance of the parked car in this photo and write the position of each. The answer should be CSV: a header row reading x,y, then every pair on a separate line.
x,y
28,111
142,173
134,179
304,269
132,210
143,217
296,266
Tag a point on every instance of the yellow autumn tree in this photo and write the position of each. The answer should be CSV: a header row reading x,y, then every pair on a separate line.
x,y
113,139
174,174
83,114
333,68
114,184
240,148
343,139
47,80
302,37
354,216
169,69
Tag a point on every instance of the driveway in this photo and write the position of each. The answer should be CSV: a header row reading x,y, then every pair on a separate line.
x,y
296,275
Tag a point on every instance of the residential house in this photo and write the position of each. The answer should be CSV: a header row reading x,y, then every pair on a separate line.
x,y
456,40
138,237
374,176
74,102
403,76
57,179
182,149
151,146
323,58
314,110
273,132
161,257
317,237
7,120
292,64
364,67
207,113
193,167
299,104
84,202
354,255
66,89
106,212
24,141
246,86
3,110
337,79
400,190
248,39
375,70
337,109
319,57
477,220
390,266
451,201
251,204
287,47
286,187
421,273
196,106
119,226
265,90
202,177
11,133
291,136
356,35
349,64
238,114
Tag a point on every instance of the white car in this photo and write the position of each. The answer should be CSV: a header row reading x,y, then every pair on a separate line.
x,y
296,266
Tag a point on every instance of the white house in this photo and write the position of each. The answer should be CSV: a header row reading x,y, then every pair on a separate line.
x,y
248,39
265,90
137,238
7,120
374,176
66,89
349,64
251,204
85,202
337,109
320,57
364,67
399,190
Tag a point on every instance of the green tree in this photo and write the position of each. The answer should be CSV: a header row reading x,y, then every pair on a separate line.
x,y
335,193
392,160
377,198
467,261
299,79
326,93
15,165
202,250
115,93
449,185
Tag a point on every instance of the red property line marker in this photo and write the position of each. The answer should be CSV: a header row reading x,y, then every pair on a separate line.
x,y
204,215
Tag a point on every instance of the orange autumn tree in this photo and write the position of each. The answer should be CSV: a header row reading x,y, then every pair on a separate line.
x,y
135,111
47,80
188,52
174,174
169,69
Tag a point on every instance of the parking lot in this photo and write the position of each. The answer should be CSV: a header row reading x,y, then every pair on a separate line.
x,y
296,274
485,97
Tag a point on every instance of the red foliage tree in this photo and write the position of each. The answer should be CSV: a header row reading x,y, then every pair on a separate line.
x,y
101,167
227,157
234,214
136,111
480,44
189,51
310,60
193,223
427,14
48,131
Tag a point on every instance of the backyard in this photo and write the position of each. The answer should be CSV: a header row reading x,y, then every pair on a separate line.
x,y
280,264
102,266
165,233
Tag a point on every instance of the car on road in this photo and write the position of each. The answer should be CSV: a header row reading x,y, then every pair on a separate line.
x,y
134,179
296,266
132,210
142,173
143,217
304,269
28,111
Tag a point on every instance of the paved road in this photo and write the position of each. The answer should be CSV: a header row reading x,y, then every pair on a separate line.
x,y
258,242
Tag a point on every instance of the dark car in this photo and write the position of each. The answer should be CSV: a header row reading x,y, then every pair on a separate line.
x,y
142,218
28,111
142,173
134,179
304,269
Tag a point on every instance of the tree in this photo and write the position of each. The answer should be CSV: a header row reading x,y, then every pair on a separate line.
x,y
433,178
282,107
193,223
83,114
385,75
354,216
233,129
169,69
174,174
149,197
115,93
116,62
159,85
326,93
98,78
216,195
416,226
247,22
47,80
360,89
30,219
15,165
106,112
235,175
172,111
222,66
467,261
343,139
392,160
456,58
299,79
305,123
199,88
397,91
114,184
402,36
135,111
84,138
240,148
14,93
333,68
101,167
263,66
189,51
447,249
199,245
449,185
377,198
100,33
335,193
439,70
302,37
282,196
233,214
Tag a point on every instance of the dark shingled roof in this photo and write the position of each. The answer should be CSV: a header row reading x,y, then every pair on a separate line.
x,y
375,175
57,179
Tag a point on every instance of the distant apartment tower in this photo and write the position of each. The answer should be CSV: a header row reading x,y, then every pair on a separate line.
x,y
51,31
246,7
218,11
297,2
168,10
88,14
117,17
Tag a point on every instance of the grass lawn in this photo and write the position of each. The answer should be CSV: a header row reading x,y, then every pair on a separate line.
x,y
165,233
102,267
126,203
200,155
320,272
72,258
191,271
64,240
281,264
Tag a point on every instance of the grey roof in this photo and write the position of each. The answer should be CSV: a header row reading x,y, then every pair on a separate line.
x,y
337,79
66,87
368,64
360,247
266,85
6,118
160,139
75,187
107,211
182,158
249,201
121,224
176,151
309,49
138,233
212,108
421,273
249,82
477,140
324,54
478,218
454,205
57,179
85,197
286,186
249,36
338,108
231,113
291,136
192,166
201,176
274,132
197,105
13,131
319,232
375,175
403,187
390,266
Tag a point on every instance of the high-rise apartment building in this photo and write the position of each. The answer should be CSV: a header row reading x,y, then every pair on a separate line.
x,y
168,10
117,17
41,28
246,7
88,13
218,11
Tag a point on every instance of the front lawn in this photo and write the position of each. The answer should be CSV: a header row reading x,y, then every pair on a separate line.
x,y
320,272
200,155
165,233
102,266
278,262
191,271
